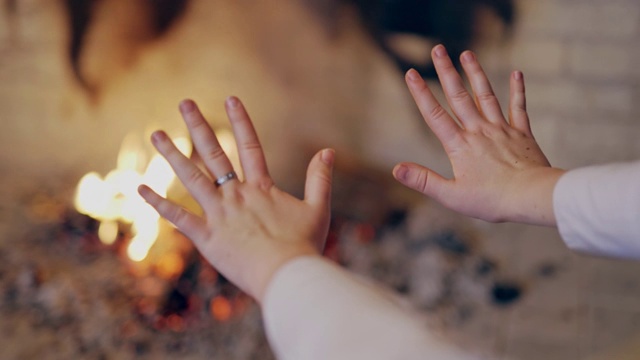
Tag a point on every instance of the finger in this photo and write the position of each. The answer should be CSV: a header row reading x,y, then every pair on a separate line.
x,y
191,225
457,95
196,182
518,116
204,140
485,98
433,113
318,185
423,180
249,148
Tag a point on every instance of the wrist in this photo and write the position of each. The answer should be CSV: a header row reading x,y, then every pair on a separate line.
x,y
529,198
263,273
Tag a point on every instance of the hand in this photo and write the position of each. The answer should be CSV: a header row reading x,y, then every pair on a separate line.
x,y
500,172
249,228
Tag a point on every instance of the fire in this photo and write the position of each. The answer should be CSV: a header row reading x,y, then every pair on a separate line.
x,y
108,232
115,198
221,308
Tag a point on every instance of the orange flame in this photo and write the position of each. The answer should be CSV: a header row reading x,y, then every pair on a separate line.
x,y
115,198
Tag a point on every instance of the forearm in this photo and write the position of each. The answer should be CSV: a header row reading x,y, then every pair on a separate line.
x,y
316,310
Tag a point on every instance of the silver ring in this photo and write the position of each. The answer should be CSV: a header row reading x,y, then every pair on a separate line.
x,y
223,179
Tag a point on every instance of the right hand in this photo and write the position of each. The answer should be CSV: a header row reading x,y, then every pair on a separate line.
x,y
500,172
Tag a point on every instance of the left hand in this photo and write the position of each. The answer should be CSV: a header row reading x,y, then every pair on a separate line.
x,y
249,228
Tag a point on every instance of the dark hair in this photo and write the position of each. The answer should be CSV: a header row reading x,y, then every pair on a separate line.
x,y
450,22
80,14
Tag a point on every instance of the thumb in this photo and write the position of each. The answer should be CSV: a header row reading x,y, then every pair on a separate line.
x,y
317,190
422,179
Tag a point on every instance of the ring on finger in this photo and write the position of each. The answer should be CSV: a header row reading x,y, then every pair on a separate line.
x,y
223,179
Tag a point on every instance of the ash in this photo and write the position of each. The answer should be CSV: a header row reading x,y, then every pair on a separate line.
x,y
62,296
434,261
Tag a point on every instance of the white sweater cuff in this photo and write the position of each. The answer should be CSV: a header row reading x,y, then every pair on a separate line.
x,y
597,209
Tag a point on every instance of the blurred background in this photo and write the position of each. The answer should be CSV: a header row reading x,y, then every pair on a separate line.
x,y
84,82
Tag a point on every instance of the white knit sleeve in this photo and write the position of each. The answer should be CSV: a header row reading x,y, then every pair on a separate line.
x,y
597,209
313,309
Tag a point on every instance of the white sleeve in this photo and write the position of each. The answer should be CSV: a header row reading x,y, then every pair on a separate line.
x,y
313,309
597,209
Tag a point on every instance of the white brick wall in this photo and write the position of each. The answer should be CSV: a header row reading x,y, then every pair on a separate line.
x,y
539,57
579,59
596,19
600,61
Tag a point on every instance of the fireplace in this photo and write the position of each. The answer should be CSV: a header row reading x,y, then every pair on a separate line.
x,y
87,270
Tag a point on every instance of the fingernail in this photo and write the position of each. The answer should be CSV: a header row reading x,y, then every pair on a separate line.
x,y
187,106
440,51
142,190
327,156
401,172
413,75
468,56
517,75
158,136
233,102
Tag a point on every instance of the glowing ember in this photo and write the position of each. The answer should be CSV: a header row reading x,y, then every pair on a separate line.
x,y
220,308
115,198
175,323
170,266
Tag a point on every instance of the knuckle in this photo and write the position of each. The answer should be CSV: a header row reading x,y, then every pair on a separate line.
x,y
420,91
153,201
164,148
422,88
459,95
422,182
486,97
215,153
493,131
164,209
251,146
437,113
325,180
196,122
522,108
195,176
265,184
515,133
170,153
447,68
178,217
